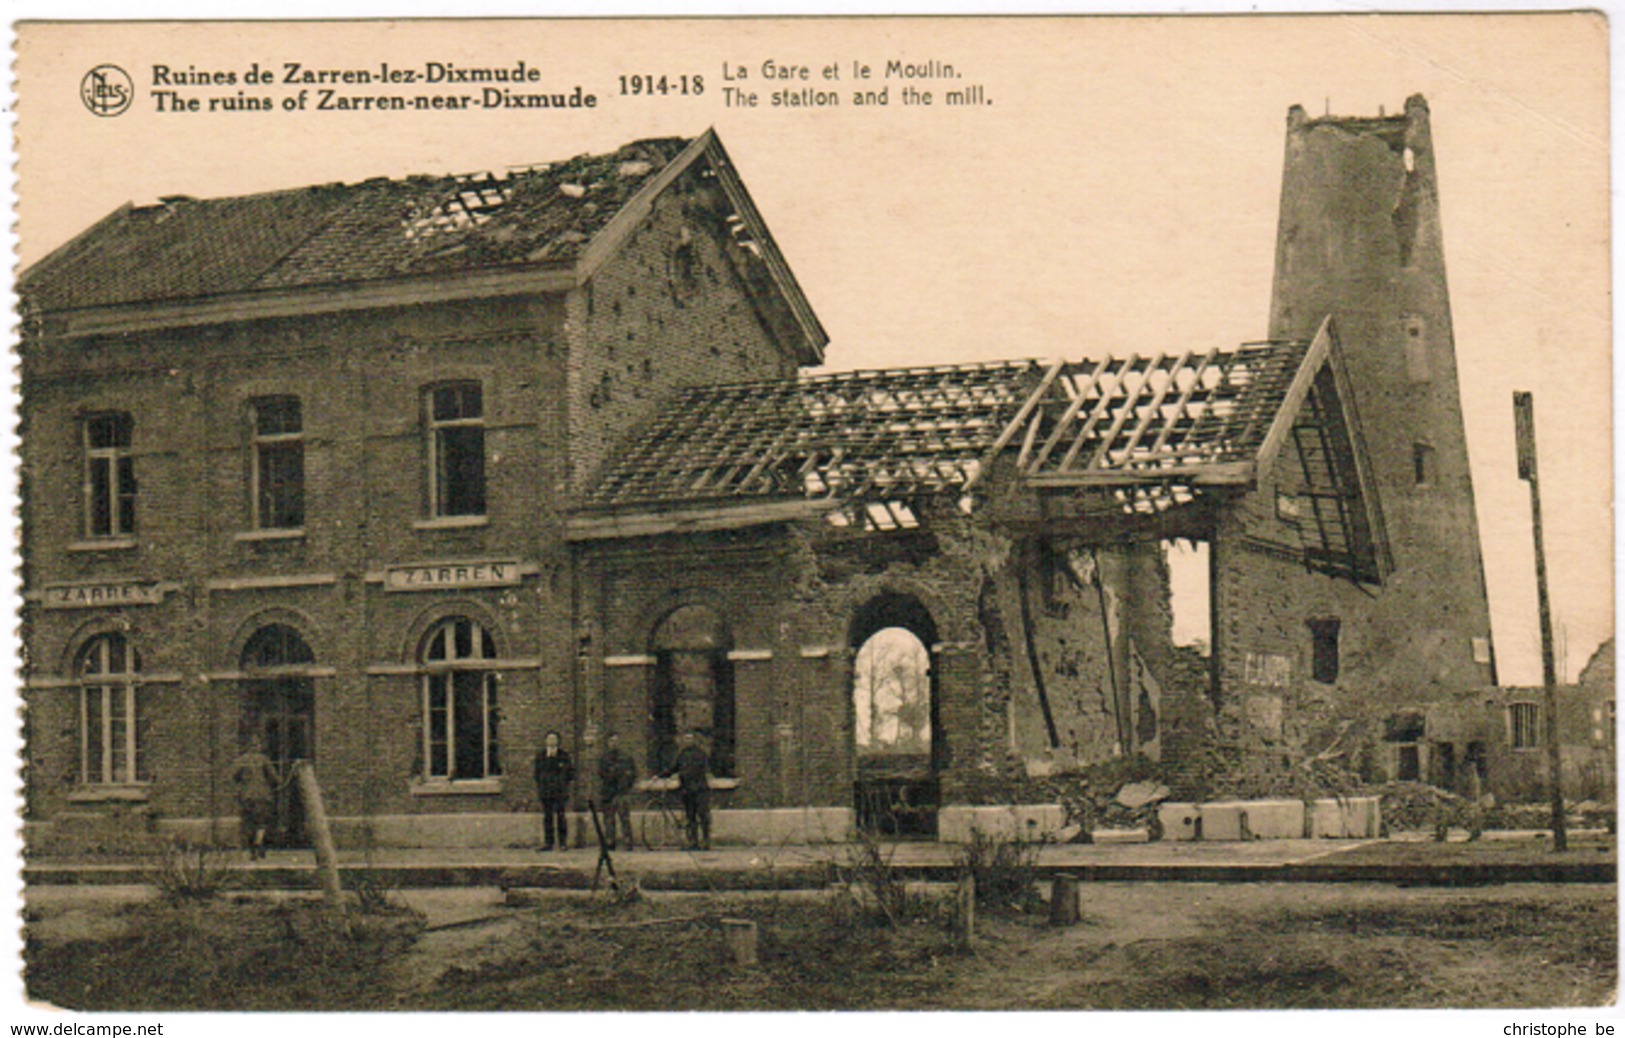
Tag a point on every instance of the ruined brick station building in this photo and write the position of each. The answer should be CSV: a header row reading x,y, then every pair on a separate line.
x,y
398,476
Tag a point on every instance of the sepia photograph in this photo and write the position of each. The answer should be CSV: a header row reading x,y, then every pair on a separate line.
x,y
814,513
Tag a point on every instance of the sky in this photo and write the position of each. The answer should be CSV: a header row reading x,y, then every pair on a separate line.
x,y
1116,190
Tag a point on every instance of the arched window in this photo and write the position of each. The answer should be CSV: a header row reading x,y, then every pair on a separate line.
x,y
693,688
460,716
276,645
107,668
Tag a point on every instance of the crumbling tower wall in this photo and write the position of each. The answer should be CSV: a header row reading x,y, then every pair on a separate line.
x,y
1360,242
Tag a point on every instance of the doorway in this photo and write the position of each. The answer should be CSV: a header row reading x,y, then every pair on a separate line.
x,y
896,741
279,710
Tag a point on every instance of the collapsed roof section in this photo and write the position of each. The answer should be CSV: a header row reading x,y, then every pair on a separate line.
x,y
1155,420
285,253
1143,434
851,436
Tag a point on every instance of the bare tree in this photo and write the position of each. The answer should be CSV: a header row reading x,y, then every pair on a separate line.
x,y
891,692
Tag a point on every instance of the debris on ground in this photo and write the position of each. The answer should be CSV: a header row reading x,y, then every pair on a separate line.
x,y
1139,794
1408,806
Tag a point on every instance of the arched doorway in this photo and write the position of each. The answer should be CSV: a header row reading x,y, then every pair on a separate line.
x,y
692,687
896,738
279,713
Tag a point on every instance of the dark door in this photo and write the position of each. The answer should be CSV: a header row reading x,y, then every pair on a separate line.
x,y
281,713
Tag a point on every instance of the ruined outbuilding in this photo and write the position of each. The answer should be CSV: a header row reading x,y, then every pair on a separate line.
x,y
622,510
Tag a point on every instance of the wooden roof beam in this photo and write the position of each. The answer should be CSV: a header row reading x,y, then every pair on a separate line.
x,y
1071,411
1131,407
1100,412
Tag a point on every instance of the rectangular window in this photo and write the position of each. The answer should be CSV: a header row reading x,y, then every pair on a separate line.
x,y
279,464
1423,464
1325,634
1406,730
461,737
456,450
1523,723
1414,332
109,734
110,485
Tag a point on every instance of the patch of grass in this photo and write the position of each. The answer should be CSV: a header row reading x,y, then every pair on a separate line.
x,y
568,962
1457,952
1479,852
223,955
186,871
1148,946
1005,870
878,890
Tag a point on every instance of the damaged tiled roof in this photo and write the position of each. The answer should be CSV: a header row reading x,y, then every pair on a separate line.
x,y
1151,428
185,248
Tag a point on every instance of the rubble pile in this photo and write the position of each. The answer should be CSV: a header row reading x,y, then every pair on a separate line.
x,y
1409,806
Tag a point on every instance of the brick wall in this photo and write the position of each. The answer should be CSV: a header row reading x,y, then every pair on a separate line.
x,y
799,591
628,588
563,377
669,310
359,378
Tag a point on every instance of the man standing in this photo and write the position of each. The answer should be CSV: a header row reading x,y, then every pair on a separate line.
x,y
256,780
617,776
554,773
692,768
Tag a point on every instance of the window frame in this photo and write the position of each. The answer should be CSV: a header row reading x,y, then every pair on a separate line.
x,y
440,679
1326,649
118,459
1424,464
1414,343
437,432
1528,735
262,444
108,687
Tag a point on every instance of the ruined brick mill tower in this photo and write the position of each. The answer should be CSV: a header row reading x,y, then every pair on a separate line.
x,y
1360,241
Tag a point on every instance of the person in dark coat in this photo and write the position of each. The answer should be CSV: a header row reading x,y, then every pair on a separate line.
x,y
617,777
554,773
256,780
692,768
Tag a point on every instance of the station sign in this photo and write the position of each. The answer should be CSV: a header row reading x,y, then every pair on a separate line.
x,y
101,596
438,575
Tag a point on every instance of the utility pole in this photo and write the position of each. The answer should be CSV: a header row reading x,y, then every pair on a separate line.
x,y
1523,413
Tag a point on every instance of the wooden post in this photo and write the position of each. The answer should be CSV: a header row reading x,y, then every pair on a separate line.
x,y
1523,414
740,936
1063,900
965,909
327,859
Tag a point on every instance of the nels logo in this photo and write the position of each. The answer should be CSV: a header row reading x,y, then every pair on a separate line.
x,y
106,90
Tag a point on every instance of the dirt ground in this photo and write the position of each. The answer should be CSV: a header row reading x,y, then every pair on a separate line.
x,y
1147,945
